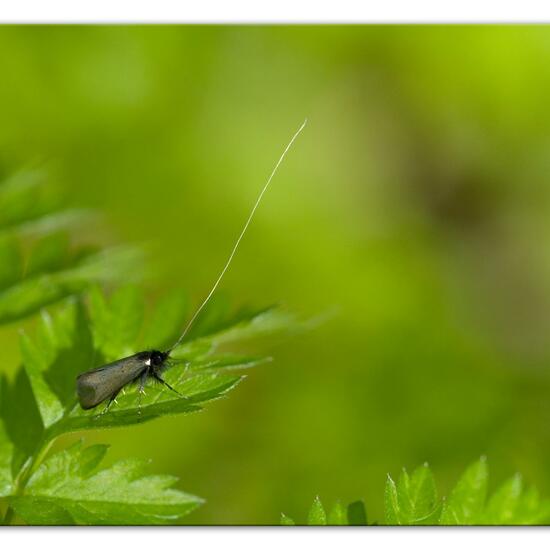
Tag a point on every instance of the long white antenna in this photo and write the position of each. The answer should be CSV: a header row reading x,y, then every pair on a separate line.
x,y
259,199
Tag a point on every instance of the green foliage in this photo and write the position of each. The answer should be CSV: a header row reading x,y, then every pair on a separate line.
x,y
337,515
285,520
6,448
40,404
413,501
466,502
510,504
317,514
38,265
29,204
68,488
355,514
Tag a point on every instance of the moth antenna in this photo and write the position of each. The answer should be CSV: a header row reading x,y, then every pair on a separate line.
x,y
239,239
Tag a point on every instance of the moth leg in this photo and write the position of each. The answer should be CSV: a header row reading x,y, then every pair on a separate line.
x,y
109,403
142,379
162,381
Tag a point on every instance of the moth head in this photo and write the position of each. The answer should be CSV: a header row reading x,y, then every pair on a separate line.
x,y
157,358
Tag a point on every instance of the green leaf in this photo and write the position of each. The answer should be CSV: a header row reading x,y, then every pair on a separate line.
x,y
255,324
52,222
357,514
167,321
214,317
32,293
26,196
36,511
11,261
74,348
413,500
502,505
42,405
158,401
228,362
511,505
242,327
337,515
116,323
530,510
422,494
32,204
317,514
70,488
49,253
127,311
39,268
23,428
391,503
418,496
50,407
6,450
285,520
466,502
64,347
29,295
33,217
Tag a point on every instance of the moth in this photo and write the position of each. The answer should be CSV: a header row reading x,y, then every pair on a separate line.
x,y
96,386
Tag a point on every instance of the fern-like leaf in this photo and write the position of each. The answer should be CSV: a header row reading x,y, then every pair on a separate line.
x,y
38,265
68,488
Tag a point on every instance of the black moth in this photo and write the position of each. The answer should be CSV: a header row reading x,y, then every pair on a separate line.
x,y
97,385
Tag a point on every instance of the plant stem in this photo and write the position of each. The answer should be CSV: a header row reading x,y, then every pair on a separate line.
x,y
9,516
26,472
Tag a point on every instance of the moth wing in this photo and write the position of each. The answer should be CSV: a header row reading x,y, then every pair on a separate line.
x,y
94,386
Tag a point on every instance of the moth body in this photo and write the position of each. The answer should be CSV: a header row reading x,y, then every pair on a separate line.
x,y
97,385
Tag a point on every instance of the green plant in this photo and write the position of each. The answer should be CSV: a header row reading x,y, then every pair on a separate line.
x,y
413,500
38,263
39,267
352,514
40,405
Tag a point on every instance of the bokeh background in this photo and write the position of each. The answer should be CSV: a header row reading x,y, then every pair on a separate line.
x,y
415,209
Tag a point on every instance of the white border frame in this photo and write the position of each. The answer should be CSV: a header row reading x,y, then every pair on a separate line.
x,y
282,11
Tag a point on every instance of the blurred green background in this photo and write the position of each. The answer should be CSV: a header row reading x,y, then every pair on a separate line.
x,y
414,208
